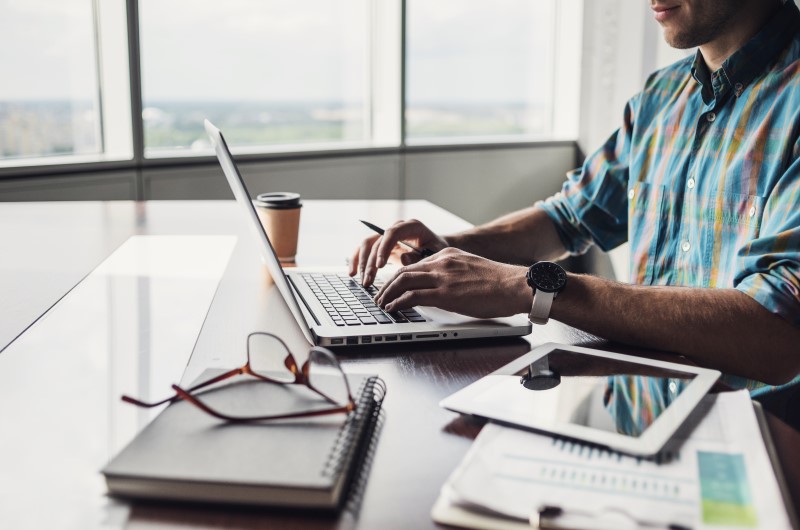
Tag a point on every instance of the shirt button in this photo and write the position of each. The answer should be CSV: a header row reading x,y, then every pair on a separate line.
x,y
690,184
738,89
710,117
752,211
631,193
685,246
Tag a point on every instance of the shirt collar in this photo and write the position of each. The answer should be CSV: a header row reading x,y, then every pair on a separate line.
x,y
738,70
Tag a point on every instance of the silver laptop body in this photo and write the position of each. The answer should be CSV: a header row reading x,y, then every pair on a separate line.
x,y
300,288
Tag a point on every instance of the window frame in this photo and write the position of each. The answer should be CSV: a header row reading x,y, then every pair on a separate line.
x,y
118,59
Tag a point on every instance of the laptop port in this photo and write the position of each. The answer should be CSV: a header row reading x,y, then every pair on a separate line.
x,y
337,341
352,340
405,337
427,335
378,339
366,340
391,338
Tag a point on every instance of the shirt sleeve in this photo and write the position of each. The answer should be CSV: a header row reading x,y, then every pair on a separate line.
x,y
768,267
592,206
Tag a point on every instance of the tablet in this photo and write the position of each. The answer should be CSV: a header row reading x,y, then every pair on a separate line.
x,y
626,403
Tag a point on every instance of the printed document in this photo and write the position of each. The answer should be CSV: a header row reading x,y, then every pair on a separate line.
x,y
716,476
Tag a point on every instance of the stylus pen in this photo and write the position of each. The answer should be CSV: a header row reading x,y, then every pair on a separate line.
x,y
424,252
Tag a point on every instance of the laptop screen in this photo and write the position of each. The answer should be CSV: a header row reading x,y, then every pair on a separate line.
x,y
268,255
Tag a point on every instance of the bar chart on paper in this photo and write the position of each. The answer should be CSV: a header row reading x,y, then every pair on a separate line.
x,y
720,483
576,466
719,477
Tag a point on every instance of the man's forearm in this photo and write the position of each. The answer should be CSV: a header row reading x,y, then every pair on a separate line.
x,y
720,328
521,237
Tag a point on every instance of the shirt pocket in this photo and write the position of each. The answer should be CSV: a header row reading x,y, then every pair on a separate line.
x,y
730,223
645,229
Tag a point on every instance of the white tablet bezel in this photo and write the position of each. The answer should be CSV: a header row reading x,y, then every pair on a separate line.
x,y
649,443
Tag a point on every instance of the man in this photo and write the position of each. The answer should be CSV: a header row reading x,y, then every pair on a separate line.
x,y
703,179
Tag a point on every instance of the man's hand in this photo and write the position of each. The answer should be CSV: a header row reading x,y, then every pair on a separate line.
x,y
374,251
460,282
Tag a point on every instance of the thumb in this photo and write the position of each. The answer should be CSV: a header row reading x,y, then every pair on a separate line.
x,y
408,258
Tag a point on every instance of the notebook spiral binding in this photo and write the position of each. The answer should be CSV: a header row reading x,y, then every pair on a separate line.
x,y
357,428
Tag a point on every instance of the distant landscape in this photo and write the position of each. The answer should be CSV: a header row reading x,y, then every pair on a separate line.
x,y
51,128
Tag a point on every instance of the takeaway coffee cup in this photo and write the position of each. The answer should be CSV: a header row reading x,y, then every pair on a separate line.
x,y
280,215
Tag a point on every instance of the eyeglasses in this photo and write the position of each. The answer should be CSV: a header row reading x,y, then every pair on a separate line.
x,y
269,360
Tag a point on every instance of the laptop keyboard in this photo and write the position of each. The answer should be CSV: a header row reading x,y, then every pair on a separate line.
x,y
350,304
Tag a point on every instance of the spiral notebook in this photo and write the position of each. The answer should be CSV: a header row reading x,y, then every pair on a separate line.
x,y
187,455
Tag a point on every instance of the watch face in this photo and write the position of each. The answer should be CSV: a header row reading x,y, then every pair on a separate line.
x,y
547,276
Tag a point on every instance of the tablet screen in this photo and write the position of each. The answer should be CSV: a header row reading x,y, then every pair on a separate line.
x,y
565,387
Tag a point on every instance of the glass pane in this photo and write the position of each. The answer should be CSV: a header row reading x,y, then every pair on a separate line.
x,y
478,68
268,357
48,95
265,71
326,376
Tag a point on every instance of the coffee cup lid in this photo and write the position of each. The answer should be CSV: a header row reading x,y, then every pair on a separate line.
x,y
279,200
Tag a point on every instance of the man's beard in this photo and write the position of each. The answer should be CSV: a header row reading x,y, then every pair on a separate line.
x,y
709,25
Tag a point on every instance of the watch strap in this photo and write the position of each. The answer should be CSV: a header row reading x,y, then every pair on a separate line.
x,y
540,310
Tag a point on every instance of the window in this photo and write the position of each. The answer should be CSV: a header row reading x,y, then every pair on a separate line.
x,y
49,101
266,72
279,75
479,68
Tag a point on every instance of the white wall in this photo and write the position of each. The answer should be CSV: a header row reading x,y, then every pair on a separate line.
x,y
481,185
622,45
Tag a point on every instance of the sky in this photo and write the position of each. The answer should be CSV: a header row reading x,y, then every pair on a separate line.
x,y
282,50
47,49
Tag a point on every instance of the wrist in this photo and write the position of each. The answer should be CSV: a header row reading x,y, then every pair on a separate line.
x,y
546,280
526,296
568,297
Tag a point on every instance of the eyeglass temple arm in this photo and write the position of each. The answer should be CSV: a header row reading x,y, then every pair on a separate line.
x,y
217,379
194,401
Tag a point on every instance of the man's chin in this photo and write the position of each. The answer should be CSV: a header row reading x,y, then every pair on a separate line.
x,y
679,40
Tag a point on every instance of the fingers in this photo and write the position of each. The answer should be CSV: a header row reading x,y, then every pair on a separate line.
x,y
406,281
374,252
363,255
408,258
401,231
359,259
370,269
387,243
353,265
413,298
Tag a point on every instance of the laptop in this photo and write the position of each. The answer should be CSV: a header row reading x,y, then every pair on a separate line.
x,y
333,309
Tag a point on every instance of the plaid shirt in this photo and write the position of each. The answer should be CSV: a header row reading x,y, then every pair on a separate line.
x,y
703,177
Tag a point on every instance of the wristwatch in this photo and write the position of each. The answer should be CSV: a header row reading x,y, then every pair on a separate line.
x,y
547,279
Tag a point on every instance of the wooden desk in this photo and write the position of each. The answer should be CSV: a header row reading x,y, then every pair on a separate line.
x,y
60,381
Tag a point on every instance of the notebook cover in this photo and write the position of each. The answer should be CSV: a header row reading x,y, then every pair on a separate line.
x,y
186,454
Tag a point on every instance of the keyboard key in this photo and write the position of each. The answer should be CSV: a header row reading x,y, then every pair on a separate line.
x,y
383,319
352,322
368,320
397,317
417,318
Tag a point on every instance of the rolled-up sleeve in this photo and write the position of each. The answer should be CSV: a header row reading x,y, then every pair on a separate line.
x,y
768,267
592,206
